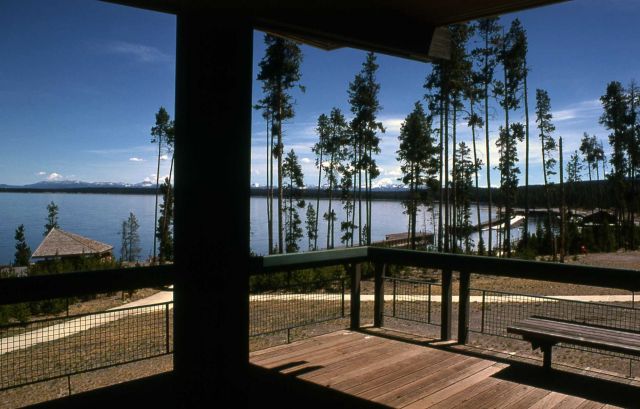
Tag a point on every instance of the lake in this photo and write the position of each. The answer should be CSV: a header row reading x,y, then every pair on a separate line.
x,y
100,216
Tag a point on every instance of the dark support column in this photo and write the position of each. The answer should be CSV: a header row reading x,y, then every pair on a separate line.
x,y
213,118
445,306
355,271
378,307
546,356
463,307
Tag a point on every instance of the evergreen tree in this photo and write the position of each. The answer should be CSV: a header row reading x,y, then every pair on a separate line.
x,y
512,54
463,170
23,252
312,230
507,165
130,247
323,131
363,98
164,233
548,144
52,218
162,132
279,72
291,169
336,149
459,74
487,59
616,118
418,163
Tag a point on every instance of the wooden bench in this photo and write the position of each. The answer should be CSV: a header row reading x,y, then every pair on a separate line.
x,y
544,333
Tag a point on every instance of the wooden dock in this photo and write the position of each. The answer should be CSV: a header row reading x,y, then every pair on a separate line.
x,y
366,369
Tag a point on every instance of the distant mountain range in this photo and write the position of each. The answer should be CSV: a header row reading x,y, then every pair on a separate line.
x,y
79,186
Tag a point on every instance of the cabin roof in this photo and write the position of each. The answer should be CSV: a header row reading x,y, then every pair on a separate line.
x,y
60,243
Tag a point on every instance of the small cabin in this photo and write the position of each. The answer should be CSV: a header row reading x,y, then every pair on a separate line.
x,y
60,244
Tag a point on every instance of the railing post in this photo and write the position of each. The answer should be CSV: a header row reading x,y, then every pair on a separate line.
x,y
463,307
445,306
378,307
166,326
356,273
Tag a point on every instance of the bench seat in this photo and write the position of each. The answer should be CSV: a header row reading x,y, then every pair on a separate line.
x,y
544,333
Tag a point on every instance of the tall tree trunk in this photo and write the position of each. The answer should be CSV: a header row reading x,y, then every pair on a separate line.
x,y
487,148
447,226
315,241
475,172
453,178
440,227
270,183
280,190
563,228
155,214
507,198
526,172
329,218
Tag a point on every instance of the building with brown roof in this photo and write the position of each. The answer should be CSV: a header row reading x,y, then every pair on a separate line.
x,y
62,244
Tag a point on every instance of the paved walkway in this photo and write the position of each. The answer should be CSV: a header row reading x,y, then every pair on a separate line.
x,y
437,298
74,326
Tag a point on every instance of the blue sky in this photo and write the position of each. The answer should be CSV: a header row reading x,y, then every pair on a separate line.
x,y
80,82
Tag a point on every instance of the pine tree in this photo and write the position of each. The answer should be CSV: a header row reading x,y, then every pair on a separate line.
x,y
417,156
548,144
336,149
512,52
52,218
162,132
312,230
507,165
164,232
323,131
291,169
363,98
23,252
463,170
486,55
279,72
617,119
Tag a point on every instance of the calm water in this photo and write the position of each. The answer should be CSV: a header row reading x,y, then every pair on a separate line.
x,y
388,217
100,216
96,216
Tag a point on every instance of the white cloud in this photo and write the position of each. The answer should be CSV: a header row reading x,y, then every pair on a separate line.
x,y
54,176
392,125
42,173
164,157
139,52
134,159
580,110
306,160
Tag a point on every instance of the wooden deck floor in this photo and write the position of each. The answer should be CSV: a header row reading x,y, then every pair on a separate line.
x,y
384,372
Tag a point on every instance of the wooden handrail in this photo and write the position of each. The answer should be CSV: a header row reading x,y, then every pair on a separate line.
x,y
25,289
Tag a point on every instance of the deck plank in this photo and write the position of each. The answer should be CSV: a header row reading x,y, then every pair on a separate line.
x,y
413,375
457,393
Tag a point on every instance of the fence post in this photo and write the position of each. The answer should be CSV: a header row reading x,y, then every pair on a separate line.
x,y
166,318
356,273
378,307
445,306
463,307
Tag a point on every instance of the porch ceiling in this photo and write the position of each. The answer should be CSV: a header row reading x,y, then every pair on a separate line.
x,y
405,28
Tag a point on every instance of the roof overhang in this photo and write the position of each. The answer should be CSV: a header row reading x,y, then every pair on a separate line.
x,y
407,28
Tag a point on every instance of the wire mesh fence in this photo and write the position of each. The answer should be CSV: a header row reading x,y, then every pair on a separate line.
x,y
498,310
285,307
52,348
413,300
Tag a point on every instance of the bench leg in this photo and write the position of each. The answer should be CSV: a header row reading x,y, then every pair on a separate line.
x,y
546,358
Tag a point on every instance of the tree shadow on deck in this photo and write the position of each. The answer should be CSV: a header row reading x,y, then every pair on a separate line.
x,y
270,388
